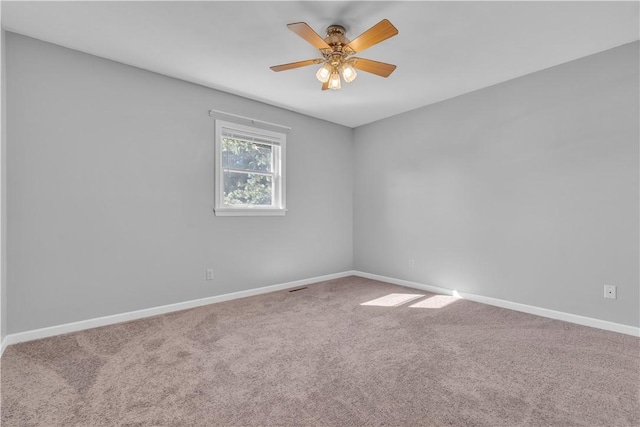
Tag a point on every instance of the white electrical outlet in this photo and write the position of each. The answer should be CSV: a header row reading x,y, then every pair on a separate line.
x,y
412,263
610,291
209,273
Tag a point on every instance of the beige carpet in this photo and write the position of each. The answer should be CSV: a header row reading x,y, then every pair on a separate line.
x,y
319,357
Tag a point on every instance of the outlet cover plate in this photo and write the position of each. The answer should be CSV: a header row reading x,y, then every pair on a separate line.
x,y
610,291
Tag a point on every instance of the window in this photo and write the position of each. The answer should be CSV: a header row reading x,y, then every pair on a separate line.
x,y
250,165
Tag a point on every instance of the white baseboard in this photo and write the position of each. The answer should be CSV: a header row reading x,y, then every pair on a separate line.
x,y
539,311
139,314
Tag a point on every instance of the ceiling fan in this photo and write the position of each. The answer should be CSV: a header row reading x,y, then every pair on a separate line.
x,y
337,51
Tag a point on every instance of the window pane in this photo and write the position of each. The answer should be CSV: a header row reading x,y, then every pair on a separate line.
x,y
244,155
247,189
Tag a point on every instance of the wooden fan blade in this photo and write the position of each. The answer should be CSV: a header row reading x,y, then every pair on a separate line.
x,y
381,69
325,85
374,35
306,32
298,64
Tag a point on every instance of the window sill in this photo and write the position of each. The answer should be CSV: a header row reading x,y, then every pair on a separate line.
x,y
249,212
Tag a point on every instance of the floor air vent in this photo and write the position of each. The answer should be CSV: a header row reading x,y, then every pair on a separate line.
x,y
296,290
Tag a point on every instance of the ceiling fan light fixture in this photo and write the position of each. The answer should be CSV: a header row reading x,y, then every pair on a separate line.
x,y
348,73
324,73
334,81
337,50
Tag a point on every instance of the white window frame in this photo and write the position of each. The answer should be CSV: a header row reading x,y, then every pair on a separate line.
x,y
278,208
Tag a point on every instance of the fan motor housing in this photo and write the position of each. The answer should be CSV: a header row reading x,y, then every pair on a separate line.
x,y
336,37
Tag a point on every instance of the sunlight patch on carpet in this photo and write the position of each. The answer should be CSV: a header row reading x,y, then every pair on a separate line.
x,y
436,301
393,300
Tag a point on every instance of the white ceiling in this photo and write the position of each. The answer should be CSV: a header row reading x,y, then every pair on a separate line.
x,y
443,49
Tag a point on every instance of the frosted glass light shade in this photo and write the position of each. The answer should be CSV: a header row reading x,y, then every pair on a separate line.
x,y
334,81
349,73
324,73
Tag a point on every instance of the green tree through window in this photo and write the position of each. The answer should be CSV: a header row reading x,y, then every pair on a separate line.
x,y
248,172
250,165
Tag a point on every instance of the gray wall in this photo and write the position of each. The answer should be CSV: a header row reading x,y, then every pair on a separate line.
x,y
110,192
3,187
526,191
